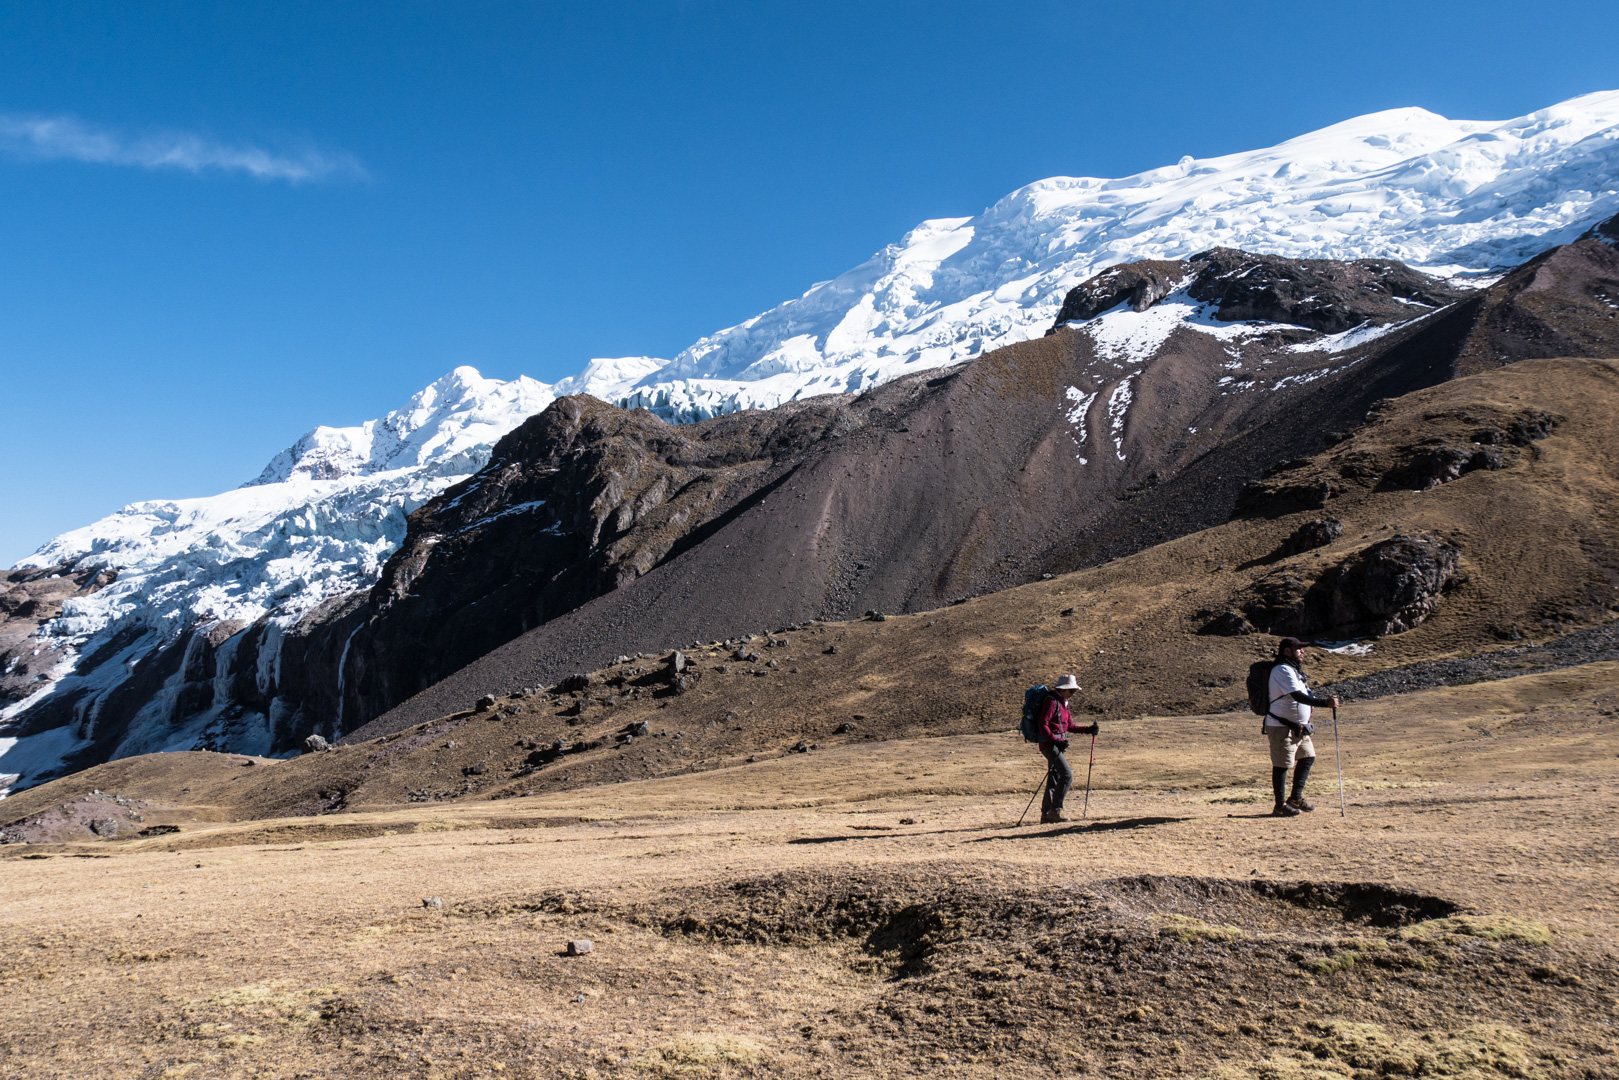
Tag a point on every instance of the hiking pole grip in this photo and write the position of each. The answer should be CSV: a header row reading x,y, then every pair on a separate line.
x,y
1338,752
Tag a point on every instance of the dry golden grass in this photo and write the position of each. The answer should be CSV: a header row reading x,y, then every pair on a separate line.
x,y
714,900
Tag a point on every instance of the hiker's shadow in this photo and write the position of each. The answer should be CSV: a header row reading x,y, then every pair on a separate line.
x,y
1089,827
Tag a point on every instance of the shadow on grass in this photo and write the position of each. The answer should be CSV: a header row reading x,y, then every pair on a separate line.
x,y
892,834
1091,827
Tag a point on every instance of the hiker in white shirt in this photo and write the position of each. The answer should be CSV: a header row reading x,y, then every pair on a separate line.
x,y
1287,724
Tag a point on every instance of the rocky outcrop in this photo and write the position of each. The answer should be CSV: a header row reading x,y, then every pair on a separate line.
x,y
1139,284
1319,294
1316,294
1387,588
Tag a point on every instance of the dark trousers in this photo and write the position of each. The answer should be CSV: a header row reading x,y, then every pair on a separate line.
x,y
1059,778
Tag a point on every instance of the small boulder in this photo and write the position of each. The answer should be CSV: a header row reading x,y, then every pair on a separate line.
x,y
802,747
1315,533
1231,623
316,745
574,684
843,728
580,947
638,728
485,703
677,663
475,770
830,650
432,902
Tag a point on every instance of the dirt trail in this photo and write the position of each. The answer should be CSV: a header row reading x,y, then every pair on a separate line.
x,y
870,910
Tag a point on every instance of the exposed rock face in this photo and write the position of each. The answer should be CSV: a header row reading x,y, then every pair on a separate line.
x,y
1140,284
1320,294
1317,294
581,500
1386,588
28,600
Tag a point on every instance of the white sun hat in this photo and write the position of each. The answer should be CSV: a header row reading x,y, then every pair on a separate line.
x,y
1066,682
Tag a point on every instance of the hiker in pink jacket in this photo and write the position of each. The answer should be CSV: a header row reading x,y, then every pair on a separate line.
x,y
1054,725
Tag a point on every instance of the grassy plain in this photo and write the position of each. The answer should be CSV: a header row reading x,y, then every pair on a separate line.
x,y
870,909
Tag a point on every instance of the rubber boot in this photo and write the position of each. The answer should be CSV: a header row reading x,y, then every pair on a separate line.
x,y
1301,773
1278,783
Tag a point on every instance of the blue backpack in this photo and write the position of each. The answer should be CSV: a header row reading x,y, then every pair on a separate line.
x,y
1034,700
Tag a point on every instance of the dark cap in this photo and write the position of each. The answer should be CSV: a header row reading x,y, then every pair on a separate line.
x,y
1290,643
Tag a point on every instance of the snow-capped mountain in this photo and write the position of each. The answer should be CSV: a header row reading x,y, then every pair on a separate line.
x,y
1456,197
1453,197
320,519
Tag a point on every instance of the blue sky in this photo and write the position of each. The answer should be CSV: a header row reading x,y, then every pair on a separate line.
x,y
224,224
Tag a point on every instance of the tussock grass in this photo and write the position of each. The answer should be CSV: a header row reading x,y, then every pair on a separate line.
x,y
1485,927
1189,931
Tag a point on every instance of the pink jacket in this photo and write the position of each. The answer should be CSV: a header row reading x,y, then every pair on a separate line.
x,y
1054,721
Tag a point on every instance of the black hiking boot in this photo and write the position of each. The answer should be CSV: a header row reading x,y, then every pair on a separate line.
x,y
1284,810
1297,802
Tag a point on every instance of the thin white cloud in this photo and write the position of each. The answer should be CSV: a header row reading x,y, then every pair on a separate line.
x,y
68,138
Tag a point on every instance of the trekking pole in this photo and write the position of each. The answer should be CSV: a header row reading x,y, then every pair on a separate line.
x,y
1338,752
1037,791
1086,812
